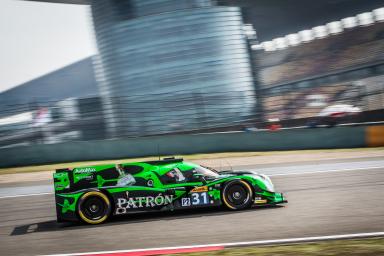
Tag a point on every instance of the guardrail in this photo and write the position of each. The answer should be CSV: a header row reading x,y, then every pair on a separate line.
x,y
296,139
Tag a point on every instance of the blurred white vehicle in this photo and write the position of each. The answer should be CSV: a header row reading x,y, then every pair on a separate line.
x,y
339,110
335,114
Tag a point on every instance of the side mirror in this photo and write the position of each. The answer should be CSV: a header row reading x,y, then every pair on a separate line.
x,y
200,177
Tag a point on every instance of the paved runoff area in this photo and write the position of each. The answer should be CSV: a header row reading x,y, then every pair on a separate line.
x,y
327,198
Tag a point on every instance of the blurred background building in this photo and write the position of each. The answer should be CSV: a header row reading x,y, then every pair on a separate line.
x,y
190,66
158,59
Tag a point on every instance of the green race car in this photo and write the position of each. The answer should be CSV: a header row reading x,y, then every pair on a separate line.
x,y
92,194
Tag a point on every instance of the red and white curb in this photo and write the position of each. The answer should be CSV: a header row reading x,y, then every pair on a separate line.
x,y
217,247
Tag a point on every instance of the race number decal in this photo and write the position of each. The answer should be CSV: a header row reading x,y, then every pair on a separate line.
x,y
199,198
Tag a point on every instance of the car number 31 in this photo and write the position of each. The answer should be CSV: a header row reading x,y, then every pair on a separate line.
x,y
195,199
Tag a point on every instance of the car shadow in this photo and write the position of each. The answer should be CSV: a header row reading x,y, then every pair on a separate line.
x,y
52,225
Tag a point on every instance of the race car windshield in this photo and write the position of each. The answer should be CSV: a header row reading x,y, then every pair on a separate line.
x,y
208,173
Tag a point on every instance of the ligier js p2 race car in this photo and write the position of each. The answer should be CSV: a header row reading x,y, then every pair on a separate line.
x,y
92,194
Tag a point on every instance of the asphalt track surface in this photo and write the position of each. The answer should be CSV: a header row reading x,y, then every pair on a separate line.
x,y
343,199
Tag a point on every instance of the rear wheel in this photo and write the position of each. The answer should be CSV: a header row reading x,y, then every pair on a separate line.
x,y
94,207
237,195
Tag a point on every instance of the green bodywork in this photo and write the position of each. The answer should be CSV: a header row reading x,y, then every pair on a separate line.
x,y
70,185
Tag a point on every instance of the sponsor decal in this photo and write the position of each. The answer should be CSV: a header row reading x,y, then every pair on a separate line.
x,y
186,201
84,170
260,201
141,201
83,173
200,189
83,176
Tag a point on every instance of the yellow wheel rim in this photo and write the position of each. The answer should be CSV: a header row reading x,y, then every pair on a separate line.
x,y
100,195
249,191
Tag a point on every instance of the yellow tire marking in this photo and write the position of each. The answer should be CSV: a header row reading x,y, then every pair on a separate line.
x,y
94,193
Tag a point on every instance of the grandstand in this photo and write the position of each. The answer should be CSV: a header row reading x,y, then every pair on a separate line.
x,y
348,50
343,67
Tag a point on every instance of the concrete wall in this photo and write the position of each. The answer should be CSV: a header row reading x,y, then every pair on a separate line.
x,y
340,137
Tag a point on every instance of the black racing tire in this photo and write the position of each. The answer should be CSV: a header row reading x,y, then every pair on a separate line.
x,y
237,195
94,207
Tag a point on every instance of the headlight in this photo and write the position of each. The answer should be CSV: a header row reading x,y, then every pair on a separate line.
x,y
268,183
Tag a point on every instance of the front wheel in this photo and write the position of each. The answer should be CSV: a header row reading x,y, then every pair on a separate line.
x,y
94,207
237,195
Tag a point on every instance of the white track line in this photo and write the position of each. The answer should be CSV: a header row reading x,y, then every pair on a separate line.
x,y
24,195
325,171
238,244
270,175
